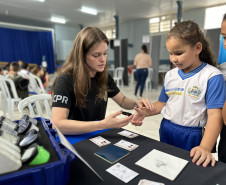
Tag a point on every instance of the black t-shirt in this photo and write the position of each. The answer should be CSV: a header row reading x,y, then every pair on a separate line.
x,y
64,96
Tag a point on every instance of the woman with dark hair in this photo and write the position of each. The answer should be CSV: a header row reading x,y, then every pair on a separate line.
x,y
83,86
142,62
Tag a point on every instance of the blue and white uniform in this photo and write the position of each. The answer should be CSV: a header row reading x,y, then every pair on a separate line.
x,y
187,97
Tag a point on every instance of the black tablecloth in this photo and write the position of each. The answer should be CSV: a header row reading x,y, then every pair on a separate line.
x,y
191,174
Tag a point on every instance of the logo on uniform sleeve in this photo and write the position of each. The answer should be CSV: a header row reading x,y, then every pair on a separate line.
x,y
61,99
194,92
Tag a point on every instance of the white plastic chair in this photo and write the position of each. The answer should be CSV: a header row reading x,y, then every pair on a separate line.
x,y
148,80
39,83
35,85
118,76
8,100
34,104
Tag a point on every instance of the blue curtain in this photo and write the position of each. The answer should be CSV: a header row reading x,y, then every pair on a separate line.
x,y
222,52
29,46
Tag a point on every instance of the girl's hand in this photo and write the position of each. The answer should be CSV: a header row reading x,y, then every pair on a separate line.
x,y
144,106
138,117
202,156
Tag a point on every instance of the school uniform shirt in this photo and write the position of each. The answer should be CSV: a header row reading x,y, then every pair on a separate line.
x,y
189,95
64,96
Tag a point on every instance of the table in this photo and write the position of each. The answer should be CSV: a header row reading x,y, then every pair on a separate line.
x,y
74,139
191,174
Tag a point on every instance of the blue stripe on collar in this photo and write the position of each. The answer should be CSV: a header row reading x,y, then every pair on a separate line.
x,y
191,73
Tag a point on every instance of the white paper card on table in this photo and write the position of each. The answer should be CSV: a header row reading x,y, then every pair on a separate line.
x,y
128,134
163,164
122,172
148,182
126,145
100,141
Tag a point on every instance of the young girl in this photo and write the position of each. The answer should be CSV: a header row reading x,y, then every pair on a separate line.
x,y
83,86
192,96
222,143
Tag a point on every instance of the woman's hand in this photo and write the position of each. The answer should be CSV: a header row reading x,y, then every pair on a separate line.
x,y
145,102
112,121
202,156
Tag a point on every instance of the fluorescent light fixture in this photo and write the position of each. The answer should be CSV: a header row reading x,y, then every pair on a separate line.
x,y
89,10
40,0
154,20
58,20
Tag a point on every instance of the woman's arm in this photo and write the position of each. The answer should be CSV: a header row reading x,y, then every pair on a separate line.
x,y
71,127
135,61
150,61
127,103
202,153
152,109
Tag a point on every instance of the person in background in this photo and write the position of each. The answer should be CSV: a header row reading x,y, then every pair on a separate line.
x,y
21,83
1,71
6,69
25,73
37,71
82,88
142,62
20,62
192,96
44,77
130,68
222,142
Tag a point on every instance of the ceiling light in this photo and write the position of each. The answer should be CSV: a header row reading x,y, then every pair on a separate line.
x,y
40,0
89,10
58,20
